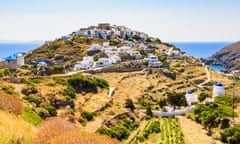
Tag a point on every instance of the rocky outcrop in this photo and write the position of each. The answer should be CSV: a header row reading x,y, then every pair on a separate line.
x,y
229,57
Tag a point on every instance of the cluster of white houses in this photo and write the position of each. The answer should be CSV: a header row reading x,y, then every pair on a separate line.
x,y
106,31
112,56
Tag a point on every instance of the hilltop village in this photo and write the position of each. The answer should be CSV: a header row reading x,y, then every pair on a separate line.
x,y
118,82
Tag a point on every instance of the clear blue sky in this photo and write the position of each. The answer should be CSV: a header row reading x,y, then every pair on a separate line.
x,y
170,20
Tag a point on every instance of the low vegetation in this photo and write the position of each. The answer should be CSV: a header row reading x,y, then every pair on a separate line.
x,y
83,83
31,116
120,131
14,129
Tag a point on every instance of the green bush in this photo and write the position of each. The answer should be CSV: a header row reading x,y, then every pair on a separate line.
x,y
69,92
8,89
136,37
231,135
60,81
53,47
88,115
203,95
224,100
154,127
129,104
51,110
31,116
118,132
85,84
33,99
37,79
100,83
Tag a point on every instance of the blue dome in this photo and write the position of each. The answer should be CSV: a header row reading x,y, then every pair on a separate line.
x,y
11,58
42,63
219,84
189,92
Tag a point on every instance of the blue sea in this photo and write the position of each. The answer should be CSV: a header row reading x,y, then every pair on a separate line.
x,y
9,48
202,50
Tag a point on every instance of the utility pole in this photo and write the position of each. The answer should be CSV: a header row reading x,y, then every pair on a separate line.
x,y
233,96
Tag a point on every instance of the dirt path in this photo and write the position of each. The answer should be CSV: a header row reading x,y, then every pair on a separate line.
x,y
208,77
194,133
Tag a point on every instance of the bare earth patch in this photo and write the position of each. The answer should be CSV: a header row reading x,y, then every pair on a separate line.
x,y
194,133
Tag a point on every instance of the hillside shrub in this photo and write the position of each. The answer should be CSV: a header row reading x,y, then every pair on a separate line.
x,y
88,115
231,135
118,132
29,90
53,47
33,99
8,89
84,84
129,104
212,115
31,116
203,95
176,99
69,92
51,110
37,79
154,127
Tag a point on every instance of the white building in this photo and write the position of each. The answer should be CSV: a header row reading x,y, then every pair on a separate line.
x,y
124,49
134,53
115,59
110,53
94,47
191,98
106,45
104,61
218,90
85,64
153,60
142,46
15,60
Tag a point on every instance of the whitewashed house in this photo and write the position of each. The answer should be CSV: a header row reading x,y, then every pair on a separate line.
x,y
94,47
66,37
104,61
142,46
218,90
106,45
153,61
134,53
78,33
89,34
85,64
191,98
15,60
115,59
123,49
110,53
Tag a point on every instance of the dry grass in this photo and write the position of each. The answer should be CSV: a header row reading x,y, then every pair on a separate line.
x,y
13,129
11,103
57,130
194,133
